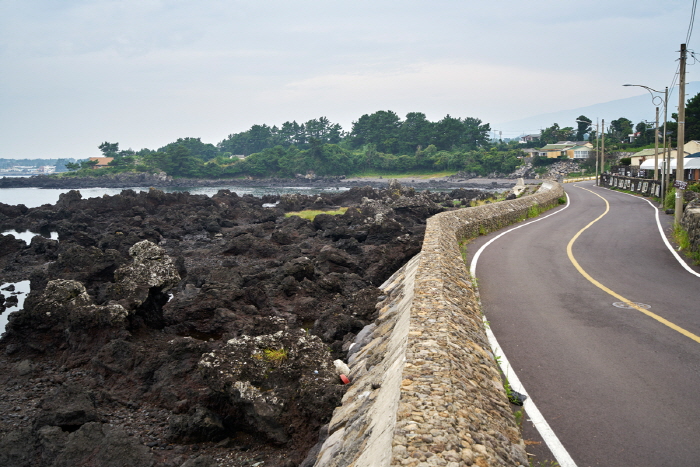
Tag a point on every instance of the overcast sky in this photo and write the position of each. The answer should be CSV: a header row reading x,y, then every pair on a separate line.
x,y
75,73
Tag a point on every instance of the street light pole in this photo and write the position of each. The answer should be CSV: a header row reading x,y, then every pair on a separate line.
x,y
656,146
656,150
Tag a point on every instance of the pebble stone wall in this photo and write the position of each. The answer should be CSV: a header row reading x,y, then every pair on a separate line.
x,y
691,223
426,390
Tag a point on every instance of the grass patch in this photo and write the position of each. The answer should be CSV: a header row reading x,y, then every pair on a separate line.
x,y
535,210
375,174
310,214
479,202
275,356
670,200
680,235
492,199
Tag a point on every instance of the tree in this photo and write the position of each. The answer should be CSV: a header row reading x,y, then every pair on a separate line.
x,y
256,139
692,119
620,129
179,162
109,149
644,133
88,164
322,130
204,151
554,134
584,127
475,133
415,131
448,133
377,128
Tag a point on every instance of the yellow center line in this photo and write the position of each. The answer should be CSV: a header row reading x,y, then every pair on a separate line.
x,y
614,294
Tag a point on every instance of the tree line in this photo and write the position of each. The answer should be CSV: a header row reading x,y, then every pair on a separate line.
x,y
380,142
618,130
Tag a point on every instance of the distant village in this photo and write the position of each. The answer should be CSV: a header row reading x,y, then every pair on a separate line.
x,y
23,170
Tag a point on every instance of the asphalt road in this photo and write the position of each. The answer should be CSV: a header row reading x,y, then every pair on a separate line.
x,y
618,387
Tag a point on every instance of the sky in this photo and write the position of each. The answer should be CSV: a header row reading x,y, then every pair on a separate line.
x,y
143,73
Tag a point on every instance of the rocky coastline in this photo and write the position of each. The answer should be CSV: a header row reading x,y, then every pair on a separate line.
x,y
127,180
184,330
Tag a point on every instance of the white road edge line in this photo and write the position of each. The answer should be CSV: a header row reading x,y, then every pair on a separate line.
x,y
661,231
558,450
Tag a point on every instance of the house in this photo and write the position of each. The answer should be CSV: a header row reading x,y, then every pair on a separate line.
x,y
691,160
580,152
691,167
102,162
529,138
691,147
46,169
553,150
643,155
571,149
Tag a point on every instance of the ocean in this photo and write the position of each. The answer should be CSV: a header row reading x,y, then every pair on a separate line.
x,y
34,197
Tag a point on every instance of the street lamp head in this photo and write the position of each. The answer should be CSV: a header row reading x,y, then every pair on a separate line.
x,y
656,100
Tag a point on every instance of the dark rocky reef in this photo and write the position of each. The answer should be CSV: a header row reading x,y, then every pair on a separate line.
x,y
161,180
186,330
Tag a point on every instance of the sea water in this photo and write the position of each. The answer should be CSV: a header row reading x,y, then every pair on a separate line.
x,y
21,289
34,197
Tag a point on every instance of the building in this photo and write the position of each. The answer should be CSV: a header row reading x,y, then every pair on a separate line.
x,y
581,152
529,138
102,162
645,154
578,150
691,161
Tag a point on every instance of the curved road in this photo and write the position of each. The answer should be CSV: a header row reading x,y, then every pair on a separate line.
x,y
618,387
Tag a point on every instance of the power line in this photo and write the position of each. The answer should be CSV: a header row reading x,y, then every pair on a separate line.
x,y
692,22
687,41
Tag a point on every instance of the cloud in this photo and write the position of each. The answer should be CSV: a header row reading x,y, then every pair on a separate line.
x,y
481,90
141,72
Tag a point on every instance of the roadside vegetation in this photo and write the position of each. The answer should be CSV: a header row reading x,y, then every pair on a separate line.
x,y
680,235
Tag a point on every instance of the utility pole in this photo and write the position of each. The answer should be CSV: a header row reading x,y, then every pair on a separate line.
x,y
680,140
668,163
597,147
602,153
656,146
664,187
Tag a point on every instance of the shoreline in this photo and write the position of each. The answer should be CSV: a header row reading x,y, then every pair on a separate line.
x,y
161,181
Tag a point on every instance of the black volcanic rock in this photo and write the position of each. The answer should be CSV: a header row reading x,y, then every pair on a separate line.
x,y
181,327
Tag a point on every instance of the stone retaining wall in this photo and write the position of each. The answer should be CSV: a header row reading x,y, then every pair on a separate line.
x,y
691,223
426,390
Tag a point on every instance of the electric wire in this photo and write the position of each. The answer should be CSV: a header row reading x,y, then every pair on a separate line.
x,y
691,25
692,22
